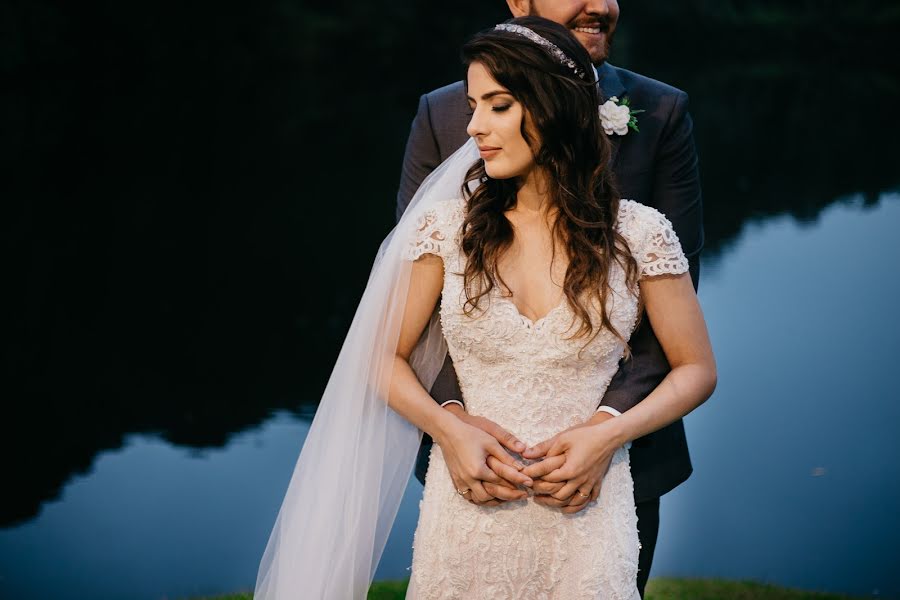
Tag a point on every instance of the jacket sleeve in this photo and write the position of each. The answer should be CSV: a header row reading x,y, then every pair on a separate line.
x,y
676,193
421,157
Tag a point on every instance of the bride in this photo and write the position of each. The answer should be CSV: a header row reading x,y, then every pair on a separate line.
x,y
539,273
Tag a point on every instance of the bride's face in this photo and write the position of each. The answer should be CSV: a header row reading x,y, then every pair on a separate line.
x,y
496,125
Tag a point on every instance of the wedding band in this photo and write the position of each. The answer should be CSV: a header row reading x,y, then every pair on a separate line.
x,y
582,494
463,492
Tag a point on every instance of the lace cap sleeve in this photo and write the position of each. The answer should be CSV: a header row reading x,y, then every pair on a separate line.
x,y
652,239
435,231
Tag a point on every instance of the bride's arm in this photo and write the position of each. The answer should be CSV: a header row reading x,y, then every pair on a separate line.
x,y
406,394
465,448
676,318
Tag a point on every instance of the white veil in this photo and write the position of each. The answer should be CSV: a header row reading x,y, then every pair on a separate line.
x,y
357,458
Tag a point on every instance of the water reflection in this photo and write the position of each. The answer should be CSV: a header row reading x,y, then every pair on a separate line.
x,y
795,478
152,520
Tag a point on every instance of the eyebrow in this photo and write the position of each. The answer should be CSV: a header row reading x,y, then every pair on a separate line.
x,y
490,95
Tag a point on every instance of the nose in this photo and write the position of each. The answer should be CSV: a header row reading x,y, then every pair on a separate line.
x,y
477,124
596,7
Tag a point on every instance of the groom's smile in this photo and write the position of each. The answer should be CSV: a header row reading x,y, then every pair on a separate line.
x,y
595,35
593,22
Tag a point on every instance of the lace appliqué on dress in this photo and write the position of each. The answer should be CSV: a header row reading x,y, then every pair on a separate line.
x,y
436,230
652,239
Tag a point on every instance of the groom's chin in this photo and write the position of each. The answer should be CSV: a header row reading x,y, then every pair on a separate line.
x,y
597,45
600,55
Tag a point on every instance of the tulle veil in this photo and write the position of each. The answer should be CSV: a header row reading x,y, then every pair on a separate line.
x,y
350,476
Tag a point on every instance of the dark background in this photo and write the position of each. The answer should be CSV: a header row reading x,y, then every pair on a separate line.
x,y
192,192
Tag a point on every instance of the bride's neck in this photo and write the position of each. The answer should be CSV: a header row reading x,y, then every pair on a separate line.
x,y
532,197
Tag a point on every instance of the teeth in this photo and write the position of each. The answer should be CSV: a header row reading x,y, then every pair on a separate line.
x,y
588,29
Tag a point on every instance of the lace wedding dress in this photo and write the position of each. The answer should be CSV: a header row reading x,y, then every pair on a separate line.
x,y
527,377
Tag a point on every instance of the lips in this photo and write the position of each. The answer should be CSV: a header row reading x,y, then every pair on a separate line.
x,y
488,151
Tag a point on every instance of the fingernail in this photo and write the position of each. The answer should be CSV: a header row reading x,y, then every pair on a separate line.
x,y
529,482
520,446
519,465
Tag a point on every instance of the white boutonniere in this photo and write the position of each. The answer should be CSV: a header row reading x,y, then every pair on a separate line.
x,y
617,116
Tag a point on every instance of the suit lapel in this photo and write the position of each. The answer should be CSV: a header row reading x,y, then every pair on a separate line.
x,y
611,85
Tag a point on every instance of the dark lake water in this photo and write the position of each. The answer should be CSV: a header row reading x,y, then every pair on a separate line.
x,y
185,240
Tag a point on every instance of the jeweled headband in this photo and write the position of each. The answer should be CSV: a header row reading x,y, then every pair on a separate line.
x,y
552,48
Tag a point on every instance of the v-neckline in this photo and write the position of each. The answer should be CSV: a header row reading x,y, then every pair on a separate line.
x,y
528,321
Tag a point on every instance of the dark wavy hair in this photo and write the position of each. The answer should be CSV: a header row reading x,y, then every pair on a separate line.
x,y
574,153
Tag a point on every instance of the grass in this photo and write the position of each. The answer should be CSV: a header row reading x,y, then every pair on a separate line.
x,y
659,588
388,590
717,589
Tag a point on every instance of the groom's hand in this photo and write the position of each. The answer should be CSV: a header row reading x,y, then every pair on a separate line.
x,y
573,465
505,478
506,439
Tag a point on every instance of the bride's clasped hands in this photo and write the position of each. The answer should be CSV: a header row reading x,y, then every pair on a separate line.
x,y
567,471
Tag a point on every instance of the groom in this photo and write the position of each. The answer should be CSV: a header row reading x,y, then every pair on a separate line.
x,y
656,166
